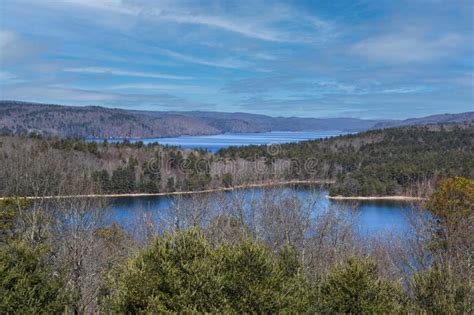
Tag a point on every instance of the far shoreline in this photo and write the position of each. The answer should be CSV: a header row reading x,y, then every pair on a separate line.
x,y
375,198
225,189
188,192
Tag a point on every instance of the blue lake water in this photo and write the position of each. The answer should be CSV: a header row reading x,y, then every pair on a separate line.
x,y
215,142
371,218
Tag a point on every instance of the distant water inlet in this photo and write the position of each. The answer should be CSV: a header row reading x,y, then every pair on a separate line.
x,y
258,207
215,142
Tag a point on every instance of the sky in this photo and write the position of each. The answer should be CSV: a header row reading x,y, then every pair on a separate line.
x,y
365,59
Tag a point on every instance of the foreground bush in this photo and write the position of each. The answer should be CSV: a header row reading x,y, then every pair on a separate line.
x,y
26,283
357,288
436,291
184,273
453,207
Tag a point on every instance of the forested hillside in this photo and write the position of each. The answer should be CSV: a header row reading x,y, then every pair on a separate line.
x,y
101,122
94,121
433,119
22,118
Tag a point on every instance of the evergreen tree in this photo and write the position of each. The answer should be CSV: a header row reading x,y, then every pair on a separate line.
x,y
184,273
357,288
123,179
436,291
9,209
27,285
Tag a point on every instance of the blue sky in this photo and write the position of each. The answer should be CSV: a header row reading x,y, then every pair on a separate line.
x,y
367,59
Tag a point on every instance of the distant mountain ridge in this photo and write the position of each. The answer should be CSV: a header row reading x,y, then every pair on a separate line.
x,y
433,119
102,122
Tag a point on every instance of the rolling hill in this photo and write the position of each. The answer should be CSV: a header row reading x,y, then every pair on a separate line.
x,y
101,122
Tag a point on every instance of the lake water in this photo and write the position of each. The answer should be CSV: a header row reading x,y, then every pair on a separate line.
x,y
371,217
215,142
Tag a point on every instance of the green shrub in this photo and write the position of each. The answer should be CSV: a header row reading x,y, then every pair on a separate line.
x,y
9,209
436,291
356,288
27,285
185,273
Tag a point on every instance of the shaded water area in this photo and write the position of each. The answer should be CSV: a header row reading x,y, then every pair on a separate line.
x,y
371,218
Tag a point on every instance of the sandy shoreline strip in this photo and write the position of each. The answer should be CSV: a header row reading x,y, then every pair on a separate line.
x,y
255,185
395,198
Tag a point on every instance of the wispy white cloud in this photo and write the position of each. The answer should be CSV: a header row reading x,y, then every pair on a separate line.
x,y
127,73
116,6
227,24
14,48
34,92
9,78
265,56
76,96
407,47
321,88
405,90
229,63
261,26
188,88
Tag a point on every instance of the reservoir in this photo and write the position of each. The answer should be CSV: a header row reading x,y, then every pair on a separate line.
x,y
215,142
371,218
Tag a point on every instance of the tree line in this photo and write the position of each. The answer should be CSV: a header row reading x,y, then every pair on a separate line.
x,y
122,167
